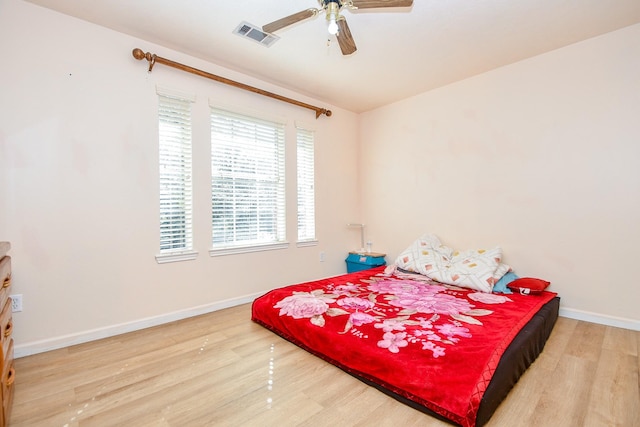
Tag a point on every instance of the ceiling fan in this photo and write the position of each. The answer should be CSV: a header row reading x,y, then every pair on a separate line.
x,y
337,22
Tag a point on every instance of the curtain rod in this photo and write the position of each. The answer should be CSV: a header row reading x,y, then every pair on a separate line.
x,y
153,59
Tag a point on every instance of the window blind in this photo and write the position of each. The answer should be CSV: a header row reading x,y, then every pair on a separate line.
x,y
176,212
247,180
306,185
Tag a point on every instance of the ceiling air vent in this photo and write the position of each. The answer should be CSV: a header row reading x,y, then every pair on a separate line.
x,y
254,33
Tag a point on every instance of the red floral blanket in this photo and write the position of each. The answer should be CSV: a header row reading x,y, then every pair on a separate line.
x,y
437,345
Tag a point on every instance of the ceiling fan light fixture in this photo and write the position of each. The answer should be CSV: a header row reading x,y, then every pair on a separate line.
x,y
333,26
333,13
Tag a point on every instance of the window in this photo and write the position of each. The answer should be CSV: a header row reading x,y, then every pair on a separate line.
x,y
306,186
247,183
176,213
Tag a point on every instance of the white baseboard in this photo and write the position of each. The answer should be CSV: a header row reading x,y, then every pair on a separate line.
x,y
587,316
36,347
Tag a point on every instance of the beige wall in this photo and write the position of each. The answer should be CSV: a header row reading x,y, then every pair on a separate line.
x,y
540,157
79,184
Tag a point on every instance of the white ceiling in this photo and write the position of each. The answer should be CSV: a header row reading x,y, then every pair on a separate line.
x,y
401,52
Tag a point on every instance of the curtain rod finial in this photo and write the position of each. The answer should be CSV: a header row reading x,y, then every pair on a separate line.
x,y
138,54
321,111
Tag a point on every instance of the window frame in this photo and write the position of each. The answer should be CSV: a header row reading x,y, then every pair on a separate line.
x,y
175,171
305,186
234,132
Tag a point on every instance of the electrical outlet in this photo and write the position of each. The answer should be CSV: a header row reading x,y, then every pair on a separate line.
x,y
16,303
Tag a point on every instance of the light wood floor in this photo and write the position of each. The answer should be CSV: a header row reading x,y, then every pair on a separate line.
x,y
221,369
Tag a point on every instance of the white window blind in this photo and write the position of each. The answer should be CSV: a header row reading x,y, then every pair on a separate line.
x,y
176,212
247,180
306,185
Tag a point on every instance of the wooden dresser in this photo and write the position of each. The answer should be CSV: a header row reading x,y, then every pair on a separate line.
x,y
7,374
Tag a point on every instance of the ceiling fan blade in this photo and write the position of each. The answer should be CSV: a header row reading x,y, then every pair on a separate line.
x,y
370,4
289,20
345,39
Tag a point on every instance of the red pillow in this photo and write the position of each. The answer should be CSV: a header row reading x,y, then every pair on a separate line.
x,y
528,285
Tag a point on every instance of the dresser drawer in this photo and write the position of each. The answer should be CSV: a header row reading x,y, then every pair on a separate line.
x,y
8,378
5,279
6,327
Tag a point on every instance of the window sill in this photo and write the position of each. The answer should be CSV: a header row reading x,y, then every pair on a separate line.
x,y
176,257
231,250
305,243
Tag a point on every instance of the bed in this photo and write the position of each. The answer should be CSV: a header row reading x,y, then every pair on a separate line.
x,y
452,352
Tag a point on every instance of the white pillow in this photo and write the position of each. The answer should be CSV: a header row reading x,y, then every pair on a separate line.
x,y
477,269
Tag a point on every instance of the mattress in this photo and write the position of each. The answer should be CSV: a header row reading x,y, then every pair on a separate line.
x,y
450,352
